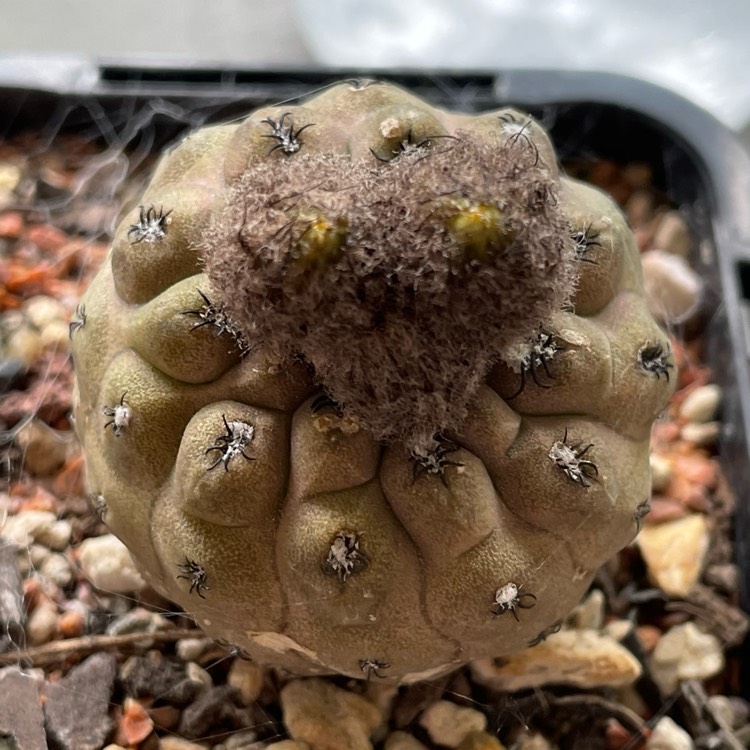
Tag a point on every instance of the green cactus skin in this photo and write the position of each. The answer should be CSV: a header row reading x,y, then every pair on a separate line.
x,y
383,367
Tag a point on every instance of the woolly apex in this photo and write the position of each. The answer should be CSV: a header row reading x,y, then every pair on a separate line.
x,y
399,282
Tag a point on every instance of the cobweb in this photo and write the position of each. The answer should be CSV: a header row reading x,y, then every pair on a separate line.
x,y
69,168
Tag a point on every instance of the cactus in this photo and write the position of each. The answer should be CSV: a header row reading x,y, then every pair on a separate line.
x,y
367,386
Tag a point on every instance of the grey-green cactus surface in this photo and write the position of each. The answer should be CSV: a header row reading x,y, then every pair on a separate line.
x,y
367,386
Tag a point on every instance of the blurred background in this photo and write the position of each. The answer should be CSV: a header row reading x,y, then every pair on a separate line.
x,y
696,49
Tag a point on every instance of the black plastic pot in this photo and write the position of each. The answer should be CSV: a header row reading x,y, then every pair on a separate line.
x,y
699,164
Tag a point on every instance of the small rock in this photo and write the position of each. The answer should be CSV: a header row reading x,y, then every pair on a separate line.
x,y
247,677
75,724
21,715
449,724
674,552
12,611
328,717
724,577
584,658
42,310
135,724
666,735
661,471
172,742
701,435
191,649
532,742
673,236
218,706
735,711
673,289
640,207
45,450
12,373
71,624
57,535
685,653
664,509
38,555
105,560
57,569
291,745
403,741
247,740
26,526
589,614
11,224
152,677
648,636
639,175
481,741
42,623
165,717
721,707
618,629
46,237
702,404
23,344
10,176
196,673
55,335
138,620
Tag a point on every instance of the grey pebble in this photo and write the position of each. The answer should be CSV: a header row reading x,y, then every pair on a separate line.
x,y
12,373
12,615
218,706
21,715
160,679
77,707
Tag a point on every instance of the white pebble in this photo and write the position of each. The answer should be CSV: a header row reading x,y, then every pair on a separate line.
x,y
25,527
673,288
42,623
55,335
107,562
662,472
38,553
532,742
701,435
196,673
589,614
666,735
685,653
57,535
618,629
702,404
449,724
57,569
42,310
191,649
24,344
674,552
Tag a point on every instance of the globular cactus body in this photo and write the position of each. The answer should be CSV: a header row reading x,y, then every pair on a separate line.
x,y
367,386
